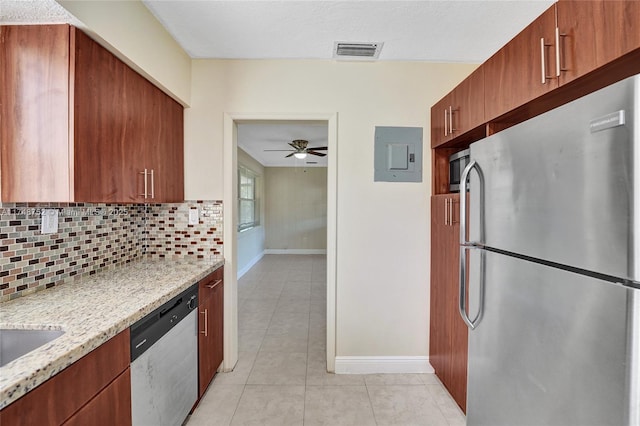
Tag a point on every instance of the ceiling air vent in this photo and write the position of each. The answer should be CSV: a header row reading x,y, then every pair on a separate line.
x,y
356,51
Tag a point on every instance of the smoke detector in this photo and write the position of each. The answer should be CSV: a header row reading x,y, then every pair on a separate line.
x,y
356,51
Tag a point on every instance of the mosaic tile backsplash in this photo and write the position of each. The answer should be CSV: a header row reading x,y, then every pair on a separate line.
x,y
92,237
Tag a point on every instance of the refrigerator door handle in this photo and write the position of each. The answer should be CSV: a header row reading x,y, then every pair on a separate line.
x,y
466,245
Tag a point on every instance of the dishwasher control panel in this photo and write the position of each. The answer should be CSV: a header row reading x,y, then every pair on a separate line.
x,y
148,330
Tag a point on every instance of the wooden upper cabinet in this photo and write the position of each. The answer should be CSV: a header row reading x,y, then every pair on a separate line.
x,y
579,25
99,132
135,147
80,125
459,111
514,76
34,113
165,152
440,133
620,30
468,103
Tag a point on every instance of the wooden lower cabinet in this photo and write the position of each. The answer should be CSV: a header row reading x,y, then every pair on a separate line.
x,y
112,406
85,388
448,332
211,322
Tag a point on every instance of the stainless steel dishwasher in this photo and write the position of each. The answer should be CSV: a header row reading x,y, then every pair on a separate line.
x,y
164,362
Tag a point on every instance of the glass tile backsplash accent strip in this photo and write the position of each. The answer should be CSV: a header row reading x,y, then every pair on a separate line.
x,y
92,237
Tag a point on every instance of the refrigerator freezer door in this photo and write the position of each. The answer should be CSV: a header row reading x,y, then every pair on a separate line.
x,y
565,186
553,348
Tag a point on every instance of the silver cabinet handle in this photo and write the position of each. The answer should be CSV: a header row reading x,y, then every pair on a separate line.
x,y
559,67
543,61
451,129
446,211
557,52
445,122
214,285
451,212
153,186
206,321
466,245
145,184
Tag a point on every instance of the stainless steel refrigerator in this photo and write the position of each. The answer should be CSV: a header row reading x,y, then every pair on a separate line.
x,y
553,252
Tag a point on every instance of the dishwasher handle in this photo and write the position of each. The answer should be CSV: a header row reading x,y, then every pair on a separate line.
x,y
175,305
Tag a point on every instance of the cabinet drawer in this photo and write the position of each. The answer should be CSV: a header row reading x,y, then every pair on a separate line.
x,y
110,407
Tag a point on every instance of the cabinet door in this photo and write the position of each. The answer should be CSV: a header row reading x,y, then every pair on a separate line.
x,y
166,148
468,103
211,300
34,111
217,326
580,25
459,332
448,350
513,76
441,295
440,122
104,125
205,349
112,406
620,30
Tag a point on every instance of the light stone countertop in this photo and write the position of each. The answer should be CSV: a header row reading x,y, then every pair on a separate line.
x,y
90,311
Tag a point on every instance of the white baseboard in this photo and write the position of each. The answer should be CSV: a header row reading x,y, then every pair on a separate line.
x,y
383,364
295,251
252,262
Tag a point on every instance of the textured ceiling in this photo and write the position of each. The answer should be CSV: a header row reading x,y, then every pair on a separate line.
x,y
442,31
34,12
255,138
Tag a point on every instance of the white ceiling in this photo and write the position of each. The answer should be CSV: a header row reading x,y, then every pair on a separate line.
x,y
255,138
443,31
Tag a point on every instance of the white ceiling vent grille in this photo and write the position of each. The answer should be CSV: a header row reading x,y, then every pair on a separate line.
x,y
356,51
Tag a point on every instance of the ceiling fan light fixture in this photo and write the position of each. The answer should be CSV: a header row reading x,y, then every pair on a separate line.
x,y
300,155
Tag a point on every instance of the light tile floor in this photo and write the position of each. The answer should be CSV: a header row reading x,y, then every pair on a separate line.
x,y
281,378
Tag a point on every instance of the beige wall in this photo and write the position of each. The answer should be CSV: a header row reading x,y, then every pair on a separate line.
x,y
382,277
131,32
296,208
251,242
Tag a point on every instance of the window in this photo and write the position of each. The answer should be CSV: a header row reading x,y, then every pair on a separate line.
x,y
248,205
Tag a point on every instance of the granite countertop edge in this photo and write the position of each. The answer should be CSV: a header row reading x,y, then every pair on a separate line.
x,y
90,311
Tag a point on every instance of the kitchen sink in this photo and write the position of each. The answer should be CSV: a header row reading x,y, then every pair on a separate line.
x,y
17,342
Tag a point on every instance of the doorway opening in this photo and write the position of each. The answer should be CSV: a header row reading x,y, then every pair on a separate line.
x,y
270,208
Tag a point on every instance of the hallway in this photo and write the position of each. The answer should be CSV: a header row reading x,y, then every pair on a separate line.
x,y
281,378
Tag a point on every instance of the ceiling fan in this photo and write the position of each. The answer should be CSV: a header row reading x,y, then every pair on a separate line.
x,y
300,149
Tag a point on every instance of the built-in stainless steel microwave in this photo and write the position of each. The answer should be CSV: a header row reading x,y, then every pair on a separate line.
x,y
457,163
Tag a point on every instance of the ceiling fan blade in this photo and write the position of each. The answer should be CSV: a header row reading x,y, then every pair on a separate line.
x,y
292,144
318,148
290,155
319,154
